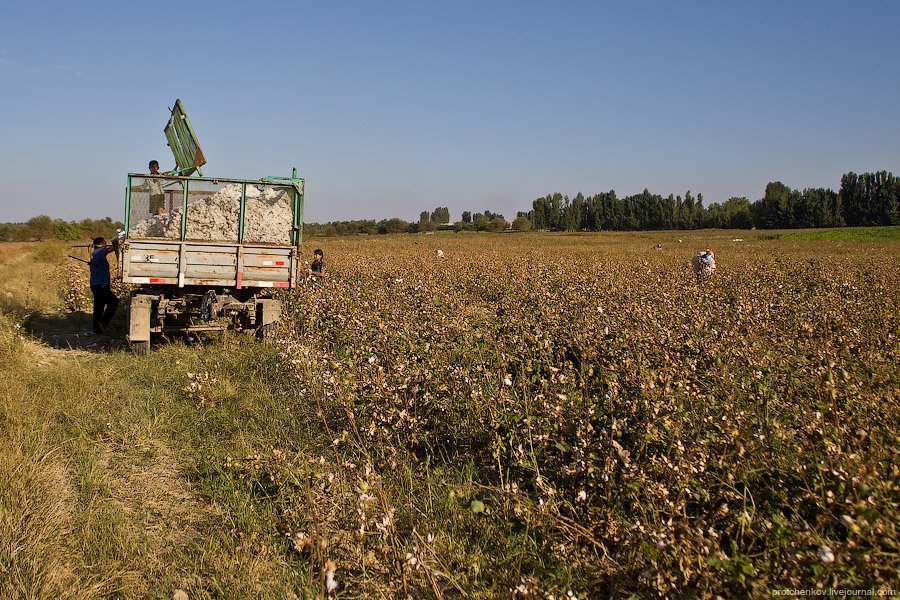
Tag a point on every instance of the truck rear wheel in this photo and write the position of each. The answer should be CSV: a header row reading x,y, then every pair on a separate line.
x,y
140,348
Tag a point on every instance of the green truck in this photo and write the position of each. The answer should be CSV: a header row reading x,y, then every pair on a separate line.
x,y
205,253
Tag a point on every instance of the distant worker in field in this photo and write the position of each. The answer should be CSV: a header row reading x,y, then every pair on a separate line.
x,y
704,263
317,268
105,302
155,187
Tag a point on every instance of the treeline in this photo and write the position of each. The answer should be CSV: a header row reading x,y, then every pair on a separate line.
x,y
863,200
867,199
438,219
43,227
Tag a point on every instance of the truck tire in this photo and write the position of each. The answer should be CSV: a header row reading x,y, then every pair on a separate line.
x,y
140,348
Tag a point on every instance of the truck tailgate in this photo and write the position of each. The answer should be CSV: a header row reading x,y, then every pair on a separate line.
x,y
163,262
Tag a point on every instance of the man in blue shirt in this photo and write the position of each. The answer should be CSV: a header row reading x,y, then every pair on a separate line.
x,y
105,302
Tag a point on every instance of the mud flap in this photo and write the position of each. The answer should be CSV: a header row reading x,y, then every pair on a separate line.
x,y
139,318
268,311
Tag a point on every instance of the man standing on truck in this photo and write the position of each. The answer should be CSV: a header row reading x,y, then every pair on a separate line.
x,y
105,302
155,187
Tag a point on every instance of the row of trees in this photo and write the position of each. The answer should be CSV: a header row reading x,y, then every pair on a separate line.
x,y
43,227
867,199
439,218
486,221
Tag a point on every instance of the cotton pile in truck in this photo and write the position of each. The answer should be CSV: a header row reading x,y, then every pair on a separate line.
x,y
268,217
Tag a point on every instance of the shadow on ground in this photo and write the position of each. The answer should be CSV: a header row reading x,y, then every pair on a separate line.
x,y
73,331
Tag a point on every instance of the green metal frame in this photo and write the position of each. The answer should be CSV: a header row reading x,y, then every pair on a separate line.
x,y
183,142
299,185
295,182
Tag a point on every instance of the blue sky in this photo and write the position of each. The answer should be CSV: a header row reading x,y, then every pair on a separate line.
x,y
390,108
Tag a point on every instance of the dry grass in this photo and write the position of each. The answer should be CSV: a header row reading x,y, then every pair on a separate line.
x,y
36,515
23,267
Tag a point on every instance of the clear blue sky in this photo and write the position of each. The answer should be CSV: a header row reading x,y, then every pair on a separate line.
x,y
393,107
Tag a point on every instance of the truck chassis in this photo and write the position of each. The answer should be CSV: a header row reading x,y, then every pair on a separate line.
x,y
161,311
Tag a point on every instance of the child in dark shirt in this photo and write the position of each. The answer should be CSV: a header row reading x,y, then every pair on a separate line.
x,y
317,268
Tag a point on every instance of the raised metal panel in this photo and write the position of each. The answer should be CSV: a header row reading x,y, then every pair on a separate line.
x,y
183,141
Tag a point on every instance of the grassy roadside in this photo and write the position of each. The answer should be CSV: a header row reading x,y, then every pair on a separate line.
x,y
103,457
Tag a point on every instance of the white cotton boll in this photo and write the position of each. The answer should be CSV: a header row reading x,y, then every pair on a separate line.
x,y
330,583
328,575
826,555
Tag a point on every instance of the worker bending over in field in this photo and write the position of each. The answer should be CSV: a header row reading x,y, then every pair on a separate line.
x,y
105,302
317,268
704,263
